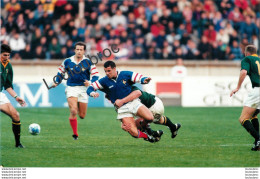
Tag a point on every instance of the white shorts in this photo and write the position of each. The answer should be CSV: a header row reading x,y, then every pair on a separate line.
x,y
129,109
3,99
79,92
157,109
253,98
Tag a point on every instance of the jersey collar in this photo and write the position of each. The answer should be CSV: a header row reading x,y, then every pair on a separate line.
x,y
5,64
73,59
255,55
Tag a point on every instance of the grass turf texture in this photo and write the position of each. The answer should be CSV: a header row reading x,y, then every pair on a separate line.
x,y
209,137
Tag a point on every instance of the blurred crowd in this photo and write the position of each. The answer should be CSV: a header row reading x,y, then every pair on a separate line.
x,y
152,29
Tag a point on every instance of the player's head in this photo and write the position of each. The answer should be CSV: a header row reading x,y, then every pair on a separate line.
x,y
79,49
5,52
250,50
110,69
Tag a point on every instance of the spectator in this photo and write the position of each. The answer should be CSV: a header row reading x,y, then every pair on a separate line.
x,y
236,51
248,28
104,19
204,48
63,38
4,36
179,71
222,36
26,54
156,29
177,17
39,54
236,18
118,18
210,33
54,48
13,6
138,53
17,43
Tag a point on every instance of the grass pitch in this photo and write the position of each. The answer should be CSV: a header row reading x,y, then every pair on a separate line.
x,y
209,137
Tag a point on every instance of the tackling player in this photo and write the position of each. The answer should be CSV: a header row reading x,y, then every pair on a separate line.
x,y
117,85
79,69
155,105
250,65
7,83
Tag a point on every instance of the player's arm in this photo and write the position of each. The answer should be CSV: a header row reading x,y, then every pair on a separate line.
x,y
133,95
9,88
242,77
60,75
94,75
139,78
97,85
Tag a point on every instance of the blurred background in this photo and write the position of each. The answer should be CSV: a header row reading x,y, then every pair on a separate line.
x,y
191,48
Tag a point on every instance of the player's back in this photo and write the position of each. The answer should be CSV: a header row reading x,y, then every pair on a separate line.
x,y
252,65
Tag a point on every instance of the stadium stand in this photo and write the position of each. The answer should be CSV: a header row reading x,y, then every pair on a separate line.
x,y
149,30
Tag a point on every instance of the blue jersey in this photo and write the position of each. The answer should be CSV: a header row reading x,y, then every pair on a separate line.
x,y
117,88
77,73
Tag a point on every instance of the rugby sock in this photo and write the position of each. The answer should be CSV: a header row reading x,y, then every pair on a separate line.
x,y
255,123
74,125
250,128
141,135
168,122
16,126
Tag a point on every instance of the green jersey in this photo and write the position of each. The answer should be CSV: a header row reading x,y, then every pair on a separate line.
x,y
146,98
252,65
6,76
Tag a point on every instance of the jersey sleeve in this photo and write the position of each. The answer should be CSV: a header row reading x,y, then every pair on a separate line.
x,y
137,78
94,73
9,80
61,73
245,64
97,85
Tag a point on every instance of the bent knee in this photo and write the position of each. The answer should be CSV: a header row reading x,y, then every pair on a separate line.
x,y
15,116
82,116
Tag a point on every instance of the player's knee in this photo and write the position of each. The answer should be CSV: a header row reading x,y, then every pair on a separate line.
x,y
74,111
82,115
15,116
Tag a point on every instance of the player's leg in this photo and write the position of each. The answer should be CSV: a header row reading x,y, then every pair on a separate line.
x,y
82,102
8,109
82,109
73,106
254,120
128,124
244,119
164,120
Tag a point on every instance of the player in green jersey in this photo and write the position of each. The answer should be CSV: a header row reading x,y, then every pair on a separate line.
x,y
7,83
155,105
250,65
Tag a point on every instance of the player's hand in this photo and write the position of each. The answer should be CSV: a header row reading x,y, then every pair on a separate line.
x,y
147,80
54,85
94,94
87,83
233,92
118,103
20,101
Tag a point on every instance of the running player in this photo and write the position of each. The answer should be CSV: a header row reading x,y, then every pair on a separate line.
x,y
7,83
250,65
79,69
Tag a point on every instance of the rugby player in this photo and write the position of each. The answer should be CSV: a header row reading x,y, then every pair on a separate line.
x,y
117,85
7,83
155,105
79,69
250,65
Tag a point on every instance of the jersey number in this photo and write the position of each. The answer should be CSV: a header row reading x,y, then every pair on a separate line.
x,y
258,66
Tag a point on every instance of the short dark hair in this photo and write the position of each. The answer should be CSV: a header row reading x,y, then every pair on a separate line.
x,y
80,44
250,49
109,64
5,48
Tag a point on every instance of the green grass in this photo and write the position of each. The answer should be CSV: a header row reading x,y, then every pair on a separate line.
x,y
209,137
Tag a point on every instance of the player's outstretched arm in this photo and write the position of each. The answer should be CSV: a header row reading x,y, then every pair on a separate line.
x,y
133,95
17,98
242,77
139,78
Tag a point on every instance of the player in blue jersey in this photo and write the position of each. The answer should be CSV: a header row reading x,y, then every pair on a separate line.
x,y
117,85
79,70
